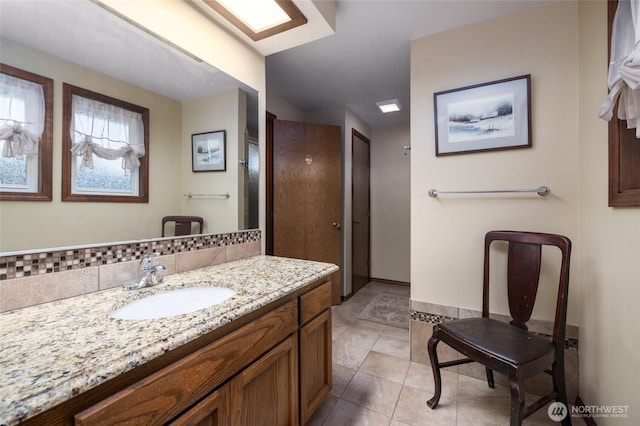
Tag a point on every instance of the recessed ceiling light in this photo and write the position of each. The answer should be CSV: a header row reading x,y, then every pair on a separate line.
x,y
259,15
259,19
389,106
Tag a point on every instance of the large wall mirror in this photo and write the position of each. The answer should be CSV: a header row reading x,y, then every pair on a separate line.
x,y
80,43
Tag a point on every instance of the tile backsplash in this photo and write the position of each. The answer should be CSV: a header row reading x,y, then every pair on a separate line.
x,y
30,278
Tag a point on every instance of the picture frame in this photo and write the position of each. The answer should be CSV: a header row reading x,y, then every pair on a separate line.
x,y
209,151
484,117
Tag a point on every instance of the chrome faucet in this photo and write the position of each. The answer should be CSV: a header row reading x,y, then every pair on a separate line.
x,y
148,274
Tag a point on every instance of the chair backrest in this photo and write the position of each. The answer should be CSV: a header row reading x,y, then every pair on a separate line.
x,y
523,275
183,224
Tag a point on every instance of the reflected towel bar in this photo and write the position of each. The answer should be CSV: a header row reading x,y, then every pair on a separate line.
x,y
542,191
191,195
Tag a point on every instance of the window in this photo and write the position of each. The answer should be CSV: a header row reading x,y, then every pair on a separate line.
x,y
624,151
26,138
104,144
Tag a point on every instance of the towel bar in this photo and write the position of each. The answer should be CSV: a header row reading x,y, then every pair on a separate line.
x,y
542,191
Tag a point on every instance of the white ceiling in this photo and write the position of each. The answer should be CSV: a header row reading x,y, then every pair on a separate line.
x,y
365,61
368,58
84,33
319,24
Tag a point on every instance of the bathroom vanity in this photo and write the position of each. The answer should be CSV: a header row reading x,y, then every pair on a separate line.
x,y
261,357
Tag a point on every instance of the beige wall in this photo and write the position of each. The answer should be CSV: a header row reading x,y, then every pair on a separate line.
x,y
608,261
390,203
224,111
30,225
448,232
282,109
182,25
563,45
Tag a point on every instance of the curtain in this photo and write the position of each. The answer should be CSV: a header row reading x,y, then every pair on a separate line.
x,y
624,66
22,112
106,131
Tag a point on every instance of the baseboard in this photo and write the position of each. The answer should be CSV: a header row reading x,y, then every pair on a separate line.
x,y
385,281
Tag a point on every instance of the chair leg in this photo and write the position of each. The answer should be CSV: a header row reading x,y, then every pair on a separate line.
x,y
557,374
435,367
490,378
517,401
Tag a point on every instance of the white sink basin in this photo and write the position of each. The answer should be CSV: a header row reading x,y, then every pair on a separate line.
x,y
174,302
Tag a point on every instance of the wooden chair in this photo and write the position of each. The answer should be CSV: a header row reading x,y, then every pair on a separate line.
x,y
510,348
183,224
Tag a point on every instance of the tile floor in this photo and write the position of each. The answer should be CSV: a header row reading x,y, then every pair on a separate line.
x,y
375,383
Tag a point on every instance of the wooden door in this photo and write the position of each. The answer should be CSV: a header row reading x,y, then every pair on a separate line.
x,y
307,193
271,118
360,268
266,393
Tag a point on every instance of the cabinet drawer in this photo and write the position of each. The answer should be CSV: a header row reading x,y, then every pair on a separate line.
x,y
315,301
159,397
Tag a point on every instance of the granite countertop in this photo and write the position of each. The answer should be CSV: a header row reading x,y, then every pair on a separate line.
x,y
54,351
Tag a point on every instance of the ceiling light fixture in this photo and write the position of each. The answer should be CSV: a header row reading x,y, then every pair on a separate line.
x,y
259,19
389,106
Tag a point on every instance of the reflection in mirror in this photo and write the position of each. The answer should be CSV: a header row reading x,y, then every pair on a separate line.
x,y
26,121
81,44
104,146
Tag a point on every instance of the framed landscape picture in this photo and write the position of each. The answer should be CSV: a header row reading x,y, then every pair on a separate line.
x,y
484,117
208,151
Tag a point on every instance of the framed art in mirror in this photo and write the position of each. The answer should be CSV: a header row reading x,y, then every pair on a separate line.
x,y
484,117
208,151
26,135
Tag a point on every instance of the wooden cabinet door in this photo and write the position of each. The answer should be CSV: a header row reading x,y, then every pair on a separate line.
x,y
213,410
161,396
315,364
266,392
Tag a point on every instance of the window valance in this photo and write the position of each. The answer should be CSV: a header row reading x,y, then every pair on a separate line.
x,y
22,116
106,131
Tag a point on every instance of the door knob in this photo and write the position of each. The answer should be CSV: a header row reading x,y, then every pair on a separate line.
x,y
336,225
356,221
